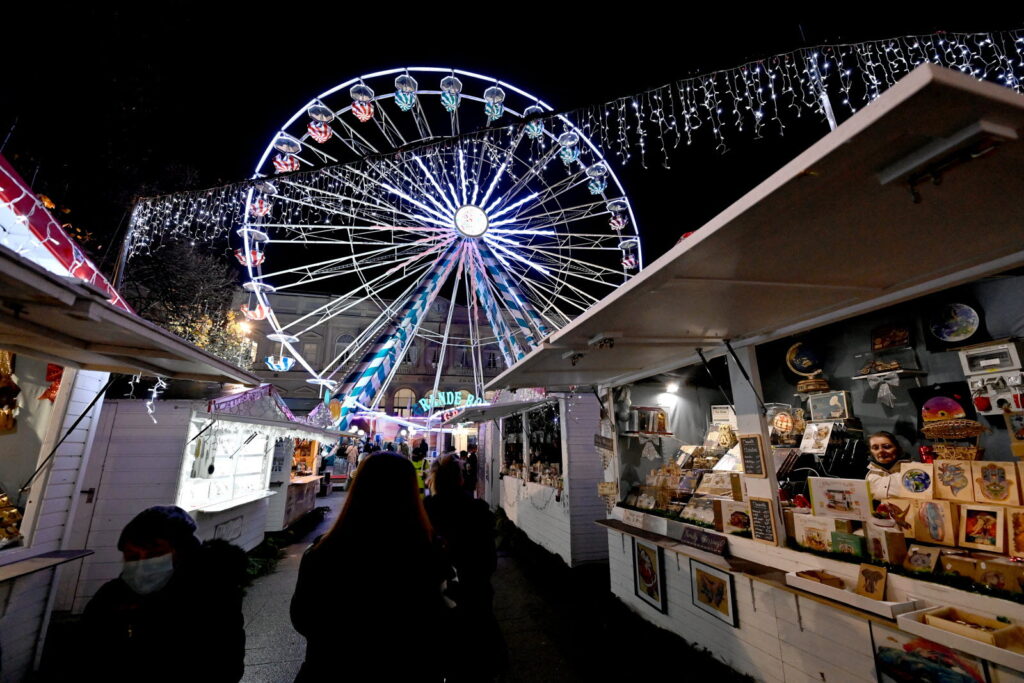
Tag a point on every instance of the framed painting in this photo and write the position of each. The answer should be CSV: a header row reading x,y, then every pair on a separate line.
x,y
1015,532
713,591
842,498
953,480
916,481
829,405
649,574
937,522
982,527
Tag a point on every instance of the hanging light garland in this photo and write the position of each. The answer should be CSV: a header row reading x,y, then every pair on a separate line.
x,y
751,100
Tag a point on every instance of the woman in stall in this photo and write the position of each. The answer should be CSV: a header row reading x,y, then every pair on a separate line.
x,y
884,458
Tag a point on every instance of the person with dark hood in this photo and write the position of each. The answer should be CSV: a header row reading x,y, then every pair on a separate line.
x,y
382,547
175,612
470,468
466,526
885,455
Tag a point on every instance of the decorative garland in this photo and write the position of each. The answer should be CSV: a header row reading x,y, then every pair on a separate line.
x,y
752,99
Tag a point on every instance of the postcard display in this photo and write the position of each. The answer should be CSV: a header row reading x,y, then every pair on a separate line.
x,y
941,556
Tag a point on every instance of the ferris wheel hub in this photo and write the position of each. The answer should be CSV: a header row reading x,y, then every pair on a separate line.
x,y
471,221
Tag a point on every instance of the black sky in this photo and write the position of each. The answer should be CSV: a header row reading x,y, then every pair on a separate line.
x,y
110,104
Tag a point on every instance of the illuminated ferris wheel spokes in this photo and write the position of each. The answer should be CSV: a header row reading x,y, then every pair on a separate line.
x,y
524,225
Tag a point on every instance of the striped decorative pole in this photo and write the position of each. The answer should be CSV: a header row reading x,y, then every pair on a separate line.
x,y
363,383
507,343
513,296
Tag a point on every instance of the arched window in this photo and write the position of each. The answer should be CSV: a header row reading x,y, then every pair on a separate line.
x,y
342,343
404,399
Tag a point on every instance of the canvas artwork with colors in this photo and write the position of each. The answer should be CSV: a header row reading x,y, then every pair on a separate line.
x,y
943,401
902,657
936,522
995,482
953,480
921,558
902,512
981,527
649,574
1015,531
814,532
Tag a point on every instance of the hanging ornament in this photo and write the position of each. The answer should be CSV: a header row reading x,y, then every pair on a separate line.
x,y
257,312
254,257
266,187
319,131
285,163
618,222
279,363
321,113
535,128
9,391
597,185
286,144
54,374
363,111
451,92
570,151
629,261
334,407
362,105
259,208
405,92
495,99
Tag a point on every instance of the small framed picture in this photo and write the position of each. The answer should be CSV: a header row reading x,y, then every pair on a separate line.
x,y
982,527
953,480
1015,531
649,574
921,558
995,482
916,481
713,591
830,405
871,581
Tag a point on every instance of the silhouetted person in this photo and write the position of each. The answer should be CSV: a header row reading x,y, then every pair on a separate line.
x,y
174,613
383,551
470,467
466,526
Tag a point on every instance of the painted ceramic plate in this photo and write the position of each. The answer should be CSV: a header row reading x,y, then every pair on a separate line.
x,y
942,408
955,323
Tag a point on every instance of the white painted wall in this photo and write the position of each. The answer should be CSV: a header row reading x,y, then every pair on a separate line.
x,y
23,623
533,509
135,464
581,422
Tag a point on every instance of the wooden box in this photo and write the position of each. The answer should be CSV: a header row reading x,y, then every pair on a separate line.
x,y
985,629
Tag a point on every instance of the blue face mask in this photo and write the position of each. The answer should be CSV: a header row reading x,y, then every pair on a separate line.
x,y
149,575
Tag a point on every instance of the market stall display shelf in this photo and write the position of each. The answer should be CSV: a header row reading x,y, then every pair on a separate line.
x,y
1011,656
882,608
900,373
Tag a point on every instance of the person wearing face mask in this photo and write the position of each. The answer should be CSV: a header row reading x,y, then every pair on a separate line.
x,y
174,595
884,458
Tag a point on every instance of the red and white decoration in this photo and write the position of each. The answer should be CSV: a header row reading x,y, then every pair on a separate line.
x,y
255,257
319,131
259,208
363,110
257,312
284,163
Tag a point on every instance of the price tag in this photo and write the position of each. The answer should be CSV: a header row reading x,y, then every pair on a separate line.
x,y
752,452
633,518
762,520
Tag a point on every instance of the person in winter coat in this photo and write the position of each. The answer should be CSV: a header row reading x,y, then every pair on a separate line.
x,y
466,527
382,547
174,613
885,456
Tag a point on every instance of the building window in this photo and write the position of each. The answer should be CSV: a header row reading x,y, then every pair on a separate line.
x,y
410,355
492,361
342,343
311,352
403,400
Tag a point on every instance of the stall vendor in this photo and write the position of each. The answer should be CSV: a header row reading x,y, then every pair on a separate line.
x,y
885,455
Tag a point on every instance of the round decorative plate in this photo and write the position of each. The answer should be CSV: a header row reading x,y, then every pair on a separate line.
x,y
955,323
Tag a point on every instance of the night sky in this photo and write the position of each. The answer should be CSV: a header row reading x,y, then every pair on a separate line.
x,y
108,105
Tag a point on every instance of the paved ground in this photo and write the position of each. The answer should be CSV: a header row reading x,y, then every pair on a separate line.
x,y
560,625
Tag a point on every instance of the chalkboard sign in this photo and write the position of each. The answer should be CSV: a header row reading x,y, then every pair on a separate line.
x,y
704,540
752,452
762,520
604,442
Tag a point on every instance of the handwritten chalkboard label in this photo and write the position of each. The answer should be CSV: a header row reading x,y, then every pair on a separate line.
x,y
762,520
752,452
604,442
705,540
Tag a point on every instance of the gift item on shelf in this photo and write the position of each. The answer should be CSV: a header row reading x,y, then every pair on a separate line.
x,y
734,517
848,544
830,405
937,521
953,480
804,361
1015,531
813,532
871,581
725,485
10,522
902,512
696,458
889,337
996,482
973,626
982,527
959,565
921,558
844,498
702,511
647,420
915,480
885,543
822,576
994,376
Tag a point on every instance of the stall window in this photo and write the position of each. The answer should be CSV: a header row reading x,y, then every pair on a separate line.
x,y
512,445
404,399
29,402
544,443
224,461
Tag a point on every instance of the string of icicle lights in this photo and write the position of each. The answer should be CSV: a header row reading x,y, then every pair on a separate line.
x,y
754,99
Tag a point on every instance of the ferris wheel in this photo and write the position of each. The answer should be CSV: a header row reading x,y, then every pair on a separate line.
x,y
431,182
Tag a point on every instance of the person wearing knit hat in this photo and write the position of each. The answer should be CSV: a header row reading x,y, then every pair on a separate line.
x,y
174,592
